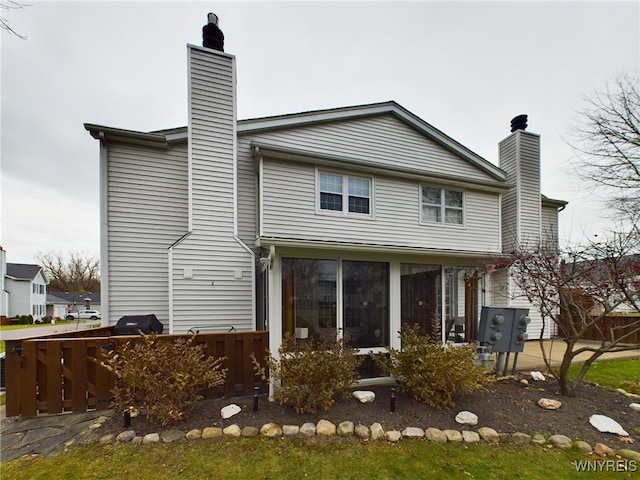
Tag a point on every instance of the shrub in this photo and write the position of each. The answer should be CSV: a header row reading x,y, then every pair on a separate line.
x,y
307,376
25,319
163,375
433,372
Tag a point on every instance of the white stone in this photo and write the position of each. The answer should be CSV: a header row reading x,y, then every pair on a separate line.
x,y
452,435
413,432
467,418
290,429
325,427
126,437
270,430
393,436
435,435
229,411
635,407
308,429
560,441
538,376
605,424
232,431
549,404
364,396
377,432
345,428
151,438
362,431
489,435
469,436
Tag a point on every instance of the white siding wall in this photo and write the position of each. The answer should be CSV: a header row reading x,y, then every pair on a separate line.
x,y
383,140
147,212
19,297
212,272
549,225
289,211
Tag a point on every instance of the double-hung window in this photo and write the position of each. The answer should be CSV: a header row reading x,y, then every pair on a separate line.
x,y
341,193
442,206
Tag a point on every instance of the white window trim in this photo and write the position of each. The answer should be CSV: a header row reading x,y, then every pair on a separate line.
x,y
345,195
442,208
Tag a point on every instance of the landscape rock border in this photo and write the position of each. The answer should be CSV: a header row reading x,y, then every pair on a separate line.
x,y
374,432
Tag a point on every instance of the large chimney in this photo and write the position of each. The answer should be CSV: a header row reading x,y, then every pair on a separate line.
x,y
519,155
211,269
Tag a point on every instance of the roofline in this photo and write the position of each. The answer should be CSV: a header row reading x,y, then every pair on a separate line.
x,y
164,138
158,139
335,161
550,202
367,110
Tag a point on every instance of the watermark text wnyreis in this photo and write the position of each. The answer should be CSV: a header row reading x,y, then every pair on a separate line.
x,y
618,465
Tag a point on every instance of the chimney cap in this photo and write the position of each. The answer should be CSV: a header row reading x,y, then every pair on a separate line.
x,y
519,122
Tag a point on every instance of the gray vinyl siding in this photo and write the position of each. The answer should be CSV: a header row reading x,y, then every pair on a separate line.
x,y
520,159
213,299
289,211
549,225
530,188
247,193
382,139
147,212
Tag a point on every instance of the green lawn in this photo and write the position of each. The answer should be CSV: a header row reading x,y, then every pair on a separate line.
x,y
613,374
294,458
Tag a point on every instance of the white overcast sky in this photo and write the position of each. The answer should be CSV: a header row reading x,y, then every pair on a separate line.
x,y
467,68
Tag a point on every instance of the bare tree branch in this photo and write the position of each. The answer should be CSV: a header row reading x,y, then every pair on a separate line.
x,y
607,144
4,22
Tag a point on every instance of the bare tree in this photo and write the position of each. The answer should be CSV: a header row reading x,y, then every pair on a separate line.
x,y
578,290
607,144
78,273
4,22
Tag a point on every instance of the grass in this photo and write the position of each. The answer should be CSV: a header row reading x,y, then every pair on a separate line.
x,y
613,374
315,458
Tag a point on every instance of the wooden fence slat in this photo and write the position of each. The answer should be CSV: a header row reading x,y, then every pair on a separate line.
x,y
12,380
79,376
28,387
54,377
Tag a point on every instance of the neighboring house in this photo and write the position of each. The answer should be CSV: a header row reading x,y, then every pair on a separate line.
x,y
26,285
357,220
59,303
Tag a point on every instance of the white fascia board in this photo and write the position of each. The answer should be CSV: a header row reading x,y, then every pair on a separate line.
x,y
362,247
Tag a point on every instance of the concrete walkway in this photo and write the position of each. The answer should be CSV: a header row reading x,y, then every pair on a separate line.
x,y
531,358
49,434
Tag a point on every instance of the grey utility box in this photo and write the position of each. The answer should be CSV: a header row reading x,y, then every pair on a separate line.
x,y
504,328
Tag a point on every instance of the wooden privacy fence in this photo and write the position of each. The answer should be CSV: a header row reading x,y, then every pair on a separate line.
x,y
63,372
611,328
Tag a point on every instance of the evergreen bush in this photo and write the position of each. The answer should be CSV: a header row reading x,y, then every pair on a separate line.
x,y
308,375
433,372
163,375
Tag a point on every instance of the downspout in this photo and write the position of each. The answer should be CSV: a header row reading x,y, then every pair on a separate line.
x,y
170,279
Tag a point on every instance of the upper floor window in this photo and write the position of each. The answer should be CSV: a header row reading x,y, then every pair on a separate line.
x,y
442,206
342,193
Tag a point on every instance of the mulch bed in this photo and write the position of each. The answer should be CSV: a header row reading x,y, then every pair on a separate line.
x,y
507,406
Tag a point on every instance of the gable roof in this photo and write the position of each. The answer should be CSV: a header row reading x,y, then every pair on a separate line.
x,y
359,111
23,271
164,138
